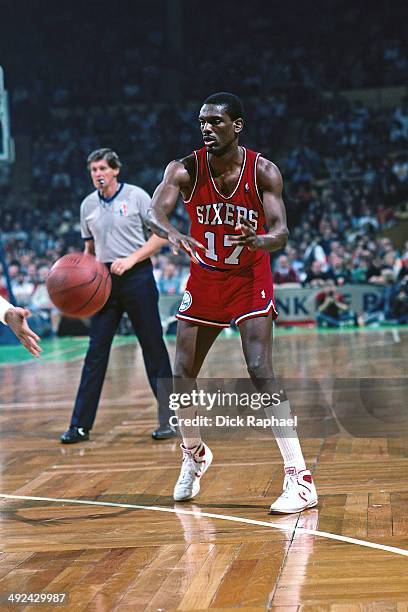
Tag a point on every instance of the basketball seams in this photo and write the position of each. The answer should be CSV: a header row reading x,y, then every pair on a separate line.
x,y
91,297
82,284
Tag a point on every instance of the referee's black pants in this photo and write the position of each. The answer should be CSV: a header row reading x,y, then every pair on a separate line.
x,y
134,292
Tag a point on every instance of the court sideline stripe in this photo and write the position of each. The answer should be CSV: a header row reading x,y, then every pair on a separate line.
x,y
223,517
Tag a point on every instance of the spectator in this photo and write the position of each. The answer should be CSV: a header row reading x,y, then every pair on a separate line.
x,y
22,289
331,309
283,273
390,265
404,267
316,277
169,283
296,262
337,270
399,303
315,252
359,269
374,271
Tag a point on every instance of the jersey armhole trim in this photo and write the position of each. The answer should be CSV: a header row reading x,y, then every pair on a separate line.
x,y
196,179
258,155
88,238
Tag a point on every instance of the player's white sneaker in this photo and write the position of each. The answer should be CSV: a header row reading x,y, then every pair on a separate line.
x,y
196,462
298,494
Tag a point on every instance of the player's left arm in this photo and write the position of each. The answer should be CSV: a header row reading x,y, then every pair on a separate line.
x,y
270,184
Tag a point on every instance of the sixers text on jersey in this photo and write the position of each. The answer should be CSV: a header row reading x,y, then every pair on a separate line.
x,y
214,215
228,214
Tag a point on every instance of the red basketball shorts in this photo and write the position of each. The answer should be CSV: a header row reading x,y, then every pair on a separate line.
x,y
217,298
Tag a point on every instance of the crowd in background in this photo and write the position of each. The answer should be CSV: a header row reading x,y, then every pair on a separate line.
x,y
345,164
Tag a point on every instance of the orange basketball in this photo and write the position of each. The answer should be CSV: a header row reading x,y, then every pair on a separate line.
x,y
79,285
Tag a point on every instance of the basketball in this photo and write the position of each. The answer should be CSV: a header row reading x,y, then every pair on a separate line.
x,y
79,285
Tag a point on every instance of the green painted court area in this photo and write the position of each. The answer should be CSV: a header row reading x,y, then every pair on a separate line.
x,y
69,348
54,349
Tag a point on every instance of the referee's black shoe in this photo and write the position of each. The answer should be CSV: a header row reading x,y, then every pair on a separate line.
x,y
74,435
164,432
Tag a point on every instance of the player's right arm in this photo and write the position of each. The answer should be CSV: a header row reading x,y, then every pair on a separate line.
x,y
176,180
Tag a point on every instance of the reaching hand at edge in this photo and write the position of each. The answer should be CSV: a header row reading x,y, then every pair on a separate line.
x,y
16,319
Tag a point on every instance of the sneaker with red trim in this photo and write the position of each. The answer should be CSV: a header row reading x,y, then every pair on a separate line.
x,y
298,494
196,462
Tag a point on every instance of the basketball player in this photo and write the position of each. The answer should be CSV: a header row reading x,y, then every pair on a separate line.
x,y
113,225
231,195
16,319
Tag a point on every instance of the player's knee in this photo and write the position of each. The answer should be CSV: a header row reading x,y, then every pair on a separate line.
x,y
259,371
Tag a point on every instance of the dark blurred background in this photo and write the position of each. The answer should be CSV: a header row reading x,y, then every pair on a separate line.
x,y
325,91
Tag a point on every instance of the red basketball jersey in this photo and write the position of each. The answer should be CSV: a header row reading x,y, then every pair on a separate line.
x,y
214,215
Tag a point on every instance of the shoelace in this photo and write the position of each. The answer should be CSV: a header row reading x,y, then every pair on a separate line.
x,y
288,484
188,471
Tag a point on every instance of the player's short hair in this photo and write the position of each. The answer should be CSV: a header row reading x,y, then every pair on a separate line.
x,y
233,105
108,155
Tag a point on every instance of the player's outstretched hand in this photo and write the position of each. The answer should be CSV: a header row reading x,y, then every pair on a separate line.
x,y
16,319
248,237
187,244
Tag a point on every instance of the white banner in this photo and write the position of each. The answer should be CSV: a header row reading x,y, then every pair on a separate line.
x,y
296,304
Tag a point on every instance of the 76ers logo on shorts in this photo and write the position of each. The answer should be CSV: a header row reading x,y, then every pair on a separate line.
x,y
186,301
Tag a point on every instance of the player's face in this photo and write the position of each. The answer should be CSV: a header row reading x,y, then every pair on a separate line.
x,y
103,176
218,129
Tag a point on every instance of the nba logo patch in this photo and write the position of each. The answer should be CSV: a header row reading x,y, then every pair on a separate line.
x,y
123,209
246,187
186,301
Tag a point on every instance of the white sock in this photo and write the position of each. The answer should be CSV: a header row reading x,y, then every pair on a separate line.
x,y
190,433
286,437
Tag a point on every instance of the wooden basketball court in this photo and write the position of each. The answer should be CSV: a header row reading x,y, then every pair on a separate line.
x,y
97,522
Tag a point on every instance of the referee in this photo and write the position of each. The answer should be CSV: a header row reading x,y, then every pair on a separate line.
x,y
113,225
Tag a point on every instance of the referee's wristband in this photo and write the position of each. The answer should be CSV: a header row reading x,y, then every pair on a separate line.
x,y
4,307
